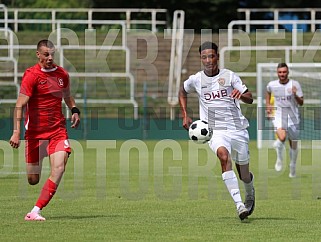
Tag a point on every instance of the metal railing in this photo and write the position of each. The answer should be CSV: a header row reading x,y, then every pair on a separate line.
x,y
286,49
276,15
157,17
231,26
15,73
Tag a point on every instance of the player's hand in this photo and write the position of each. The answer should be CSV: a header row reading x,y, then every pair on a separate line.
x,y
75,120
15,140
187,122
294,90
236,94
269,112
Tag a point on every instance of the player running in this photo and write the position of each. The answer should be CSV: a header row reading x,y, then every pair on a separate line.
x,y
43,87
219,91
288,96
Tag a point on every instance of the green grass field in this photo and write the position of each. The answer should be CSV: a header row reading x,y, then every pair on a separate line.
x,y
159,191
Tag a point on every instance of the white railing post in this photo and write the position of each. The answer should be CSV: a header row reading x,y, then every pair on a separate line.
x,y
248,18
128,19
53,18
276,20
90,18
154,29
175,67
294,34
312,20
5,12
58,35
16,12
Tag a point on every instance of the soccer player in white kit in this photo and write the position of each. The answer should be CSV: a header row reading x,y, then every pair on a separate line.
x,y
219,92
288,96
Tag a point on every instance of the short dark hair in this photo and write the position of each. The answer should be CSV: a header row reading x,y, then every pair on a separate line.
x,y
208,45
281,65
45,42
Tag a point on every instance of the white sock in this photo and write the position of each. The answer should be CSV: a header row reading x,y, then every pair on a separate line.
x,y
249,186
279,146
232,186
35,209
293,156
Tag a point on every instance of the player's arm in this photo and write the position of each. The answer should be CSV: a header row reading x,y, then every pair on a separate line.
x,y
240,91
75,119
246,96
22,101
298,99
183,104
268,105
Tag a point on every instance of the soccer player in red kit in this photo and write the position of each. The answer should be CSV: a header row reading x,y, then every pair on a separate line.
x,y
43,87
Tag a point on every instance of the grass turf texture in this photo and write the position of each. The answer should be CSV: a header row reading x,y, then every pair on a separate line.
x,y
124,193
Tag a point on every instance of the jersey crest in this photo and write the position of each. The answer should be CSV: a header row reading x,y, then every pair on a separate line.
x,y
221,81
289,90
60,82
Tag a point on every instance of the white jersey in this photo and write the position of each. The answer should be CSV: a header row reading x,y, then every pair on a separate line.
x,y
215,104
286,107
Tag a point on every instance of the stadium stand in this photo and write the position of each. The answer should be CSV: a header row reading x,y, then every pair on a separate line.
x,y
136,54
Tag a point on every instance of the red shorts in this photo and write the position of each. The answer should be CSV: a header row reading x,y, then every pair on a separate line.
x,y
37,149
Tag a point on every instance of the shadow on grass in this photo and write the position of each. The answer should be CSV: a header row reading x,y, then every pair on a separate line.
x,y
12,177
83,217
270,219
252,219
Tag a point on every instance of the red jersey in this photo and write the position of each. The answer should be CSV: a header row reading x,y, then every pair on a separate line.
x,y
46,88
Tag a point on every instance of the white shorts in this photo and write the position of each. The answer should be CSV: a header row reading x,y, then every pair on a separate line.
x,y
293,132
236,142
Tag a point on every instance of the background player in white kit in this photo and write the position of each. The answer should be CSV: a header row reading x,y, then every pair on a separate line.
x,y
288,96
219,91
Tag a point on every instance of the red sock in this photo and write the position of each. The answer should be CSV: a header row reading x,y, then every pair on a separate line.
x,y
48,190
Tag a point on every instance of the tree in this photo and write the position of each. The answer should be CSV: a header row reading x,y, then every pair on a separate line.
x,y
47,3
199,14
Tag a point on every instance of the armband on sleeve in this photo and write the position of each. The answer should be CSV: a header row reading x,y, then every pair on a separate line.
x,y
75,110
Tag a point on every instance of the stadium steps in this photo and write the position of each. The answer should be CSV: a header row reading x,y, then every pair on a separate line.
x,y
154,73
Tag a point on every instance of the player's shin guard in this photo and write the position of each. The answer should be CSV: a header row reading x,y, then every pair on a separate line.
x,y
293,156
279,147
232,186
47,192
249,187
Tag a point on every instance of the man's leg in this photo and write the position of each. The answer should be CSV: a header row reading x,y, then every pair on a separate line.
x,y
231,182
279,147
35,151
293,157
58,161
247,177
34,172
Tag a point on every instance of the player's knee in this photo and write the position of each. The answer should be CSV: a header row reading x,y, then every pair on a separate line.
x,y
33,180
59,170
223,157
281,134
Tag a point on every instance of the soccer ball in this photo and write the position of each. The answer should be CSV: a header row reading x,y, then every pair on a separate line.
x,y
200,132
